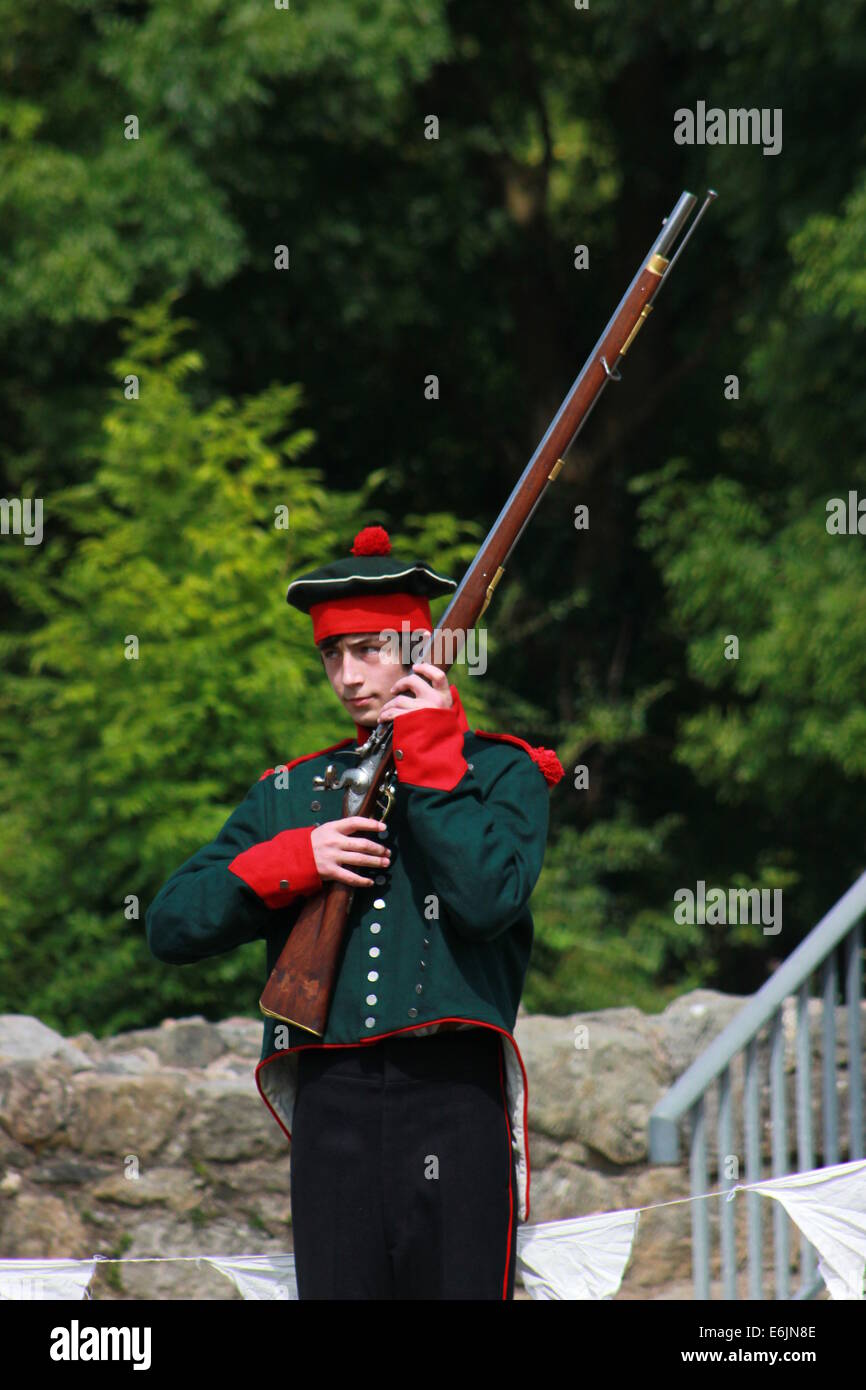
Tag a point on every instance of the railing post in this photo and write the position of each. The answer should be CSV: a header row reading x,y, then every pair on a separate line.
x,y
779,1138
754,1200
727,1231
805,1151
700,1215
853,993
829,1102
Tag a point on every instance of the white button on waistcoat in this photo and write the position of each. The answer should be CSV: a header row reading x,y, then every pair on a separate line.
x,y
378,902
374,950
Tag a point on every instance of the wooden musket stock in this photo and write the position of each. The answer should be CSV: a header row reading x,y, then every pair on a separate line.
x,y
301,983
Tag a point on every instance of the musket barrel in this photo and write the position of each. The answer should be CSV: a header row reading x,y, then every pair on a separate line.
x,y
302,980
674,224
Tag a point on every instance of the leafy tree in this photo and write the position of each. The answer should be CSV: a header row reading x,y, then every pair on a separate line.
x,y
119,761
413,257
779,735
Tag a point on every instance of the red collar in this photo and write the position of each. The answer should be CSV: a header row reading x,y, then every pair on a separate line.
x,y
363,733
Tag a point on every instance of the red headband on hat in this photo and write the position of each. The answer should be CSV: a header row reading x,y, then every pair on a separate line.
x,y
370,613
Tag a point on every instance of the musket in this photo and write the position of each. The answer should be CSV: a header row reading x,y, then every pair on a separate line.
x,y
301,983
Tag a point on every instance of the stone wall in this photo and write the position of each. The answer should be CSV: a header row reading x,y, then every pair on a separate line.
x,y
178,1106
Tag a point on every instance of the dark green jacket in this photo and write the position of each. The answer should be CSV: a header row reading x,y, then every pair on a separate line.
x,y
444,935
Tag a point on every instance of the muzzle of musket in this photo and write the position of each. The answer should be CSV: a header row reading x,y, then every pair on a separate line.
x,y
660,264
673,225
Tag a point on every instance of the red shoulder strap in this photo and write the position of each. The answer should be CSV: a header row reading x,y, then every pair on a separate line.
x,y
305,757
545,758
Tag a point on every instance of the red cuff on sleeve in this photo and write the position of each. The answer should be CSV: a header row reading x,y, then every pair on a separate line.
x,y
280,869
458,706
428,748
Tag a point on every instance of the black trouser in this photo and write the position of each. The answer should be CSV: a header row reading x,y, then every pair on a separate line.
x,y
402,1177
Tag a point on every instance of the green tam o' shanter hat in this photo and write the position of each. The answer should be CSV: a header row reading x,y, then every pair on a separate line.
x,y
369,590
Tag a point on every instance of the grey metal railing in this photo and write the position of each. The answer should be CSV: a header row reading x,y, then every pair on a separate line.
x,y
715,1076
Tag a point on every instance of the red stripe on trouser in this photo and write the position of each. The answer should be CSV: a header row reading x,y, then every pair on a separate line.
x,y
510,1175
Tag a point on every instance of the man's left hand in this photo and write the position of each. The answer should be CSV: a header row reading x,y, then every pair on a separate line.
x,y
431,691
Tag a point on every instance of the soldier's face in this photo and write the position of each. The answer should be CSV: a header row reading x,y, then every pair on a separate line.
x,y
362,669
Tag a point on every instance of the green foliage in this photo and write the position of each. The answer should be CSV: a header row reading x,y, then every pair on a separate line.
x,y
413,257
782,723
131,762
595,938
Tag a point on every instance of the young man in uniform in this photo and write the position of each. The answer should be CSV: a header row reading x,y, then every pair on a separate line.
x,y
408,1118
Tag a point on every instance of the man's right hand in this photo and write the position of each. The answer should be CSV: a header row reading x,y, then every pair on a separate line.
x,y
335,846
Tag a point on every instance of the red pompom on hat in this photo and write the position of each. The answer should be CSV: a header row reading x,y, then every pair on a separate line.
x,y
372,540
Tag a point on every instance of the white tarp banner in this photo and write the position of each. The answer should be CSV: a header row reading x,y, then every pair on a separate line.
x,y
45,1279
259,1276
829,1206
581,1258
